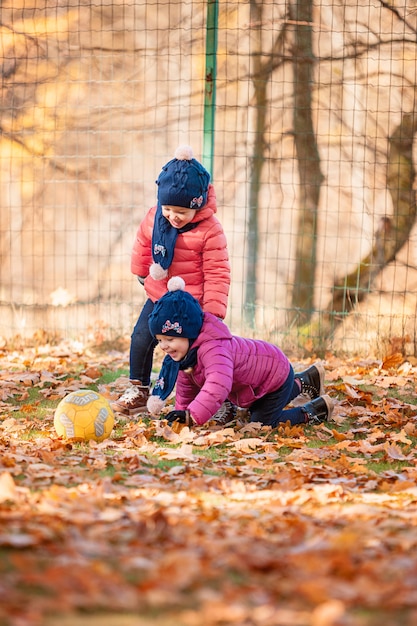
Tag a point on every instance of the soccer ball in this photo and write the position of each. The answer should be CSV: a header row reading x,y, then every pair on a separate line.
x,y
84,415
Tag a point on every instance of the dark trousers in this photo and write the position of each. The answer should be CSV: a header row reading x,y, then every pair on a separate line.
x,y
270,409
142,347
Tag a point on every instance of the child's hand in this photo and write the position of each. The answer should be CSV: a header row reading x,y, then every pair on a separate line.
x,y
183,417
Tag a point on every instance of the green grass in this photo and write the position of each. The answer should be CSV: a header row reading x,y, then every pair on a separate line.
x,y
214,453
109,377
38,411
405,394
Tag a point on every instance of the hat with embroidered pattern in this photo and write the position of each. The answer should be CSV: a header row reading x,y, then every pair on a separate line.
x,y
183,181
177,313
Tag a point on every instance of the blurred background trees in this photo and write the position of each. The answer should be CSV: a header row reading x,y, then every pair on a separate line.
x,y
314,163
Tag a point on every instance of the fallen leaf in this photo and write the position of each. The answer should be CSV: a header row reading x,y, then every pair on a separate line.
x,y
7,487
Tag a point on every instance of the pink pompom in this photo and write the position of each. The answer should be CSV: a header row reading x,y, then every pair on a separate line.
x,y
176,283
184,153
157,272
155,405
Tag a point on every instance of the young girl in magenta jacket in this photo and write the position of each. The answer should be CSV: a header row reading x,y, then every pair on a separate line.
x,y
210,365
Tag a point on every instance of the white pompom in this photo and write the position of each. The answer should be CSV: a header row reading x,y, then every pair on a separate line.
x,y
157,272
176,283
155,405
184,153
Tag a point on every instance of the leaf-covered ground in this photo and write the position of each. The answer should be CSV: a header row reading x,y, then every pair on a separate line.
x,y
211,526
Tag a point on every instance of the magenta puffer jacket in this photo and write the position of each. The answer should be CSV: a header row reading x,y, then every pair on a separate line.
x,y
228,366
200,258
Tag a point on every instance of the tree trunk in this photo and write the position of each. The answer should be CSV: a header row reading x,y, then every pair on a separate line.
x,y
393,232
257,160
308,164
261,72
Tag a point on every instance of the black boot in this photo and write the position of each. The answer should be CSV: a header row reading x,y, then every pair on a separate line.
x,y
318,410
226,414
312,381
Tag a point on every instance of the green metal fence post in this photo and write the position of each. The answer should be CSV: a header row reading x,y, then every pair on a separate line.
x,y
210,84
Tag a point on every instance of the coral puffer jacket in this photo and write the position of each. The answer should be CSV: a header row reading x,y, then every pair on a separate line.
x,y
228,366
200,258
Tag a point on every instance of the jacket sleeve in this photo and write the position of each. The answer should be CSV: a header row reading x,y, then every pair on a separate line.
x,y
141,258
185,391
218,378
216,271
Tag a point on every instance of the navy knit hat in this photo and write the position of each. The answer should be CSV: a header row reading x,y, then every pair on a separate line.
x,y
177,313
183,181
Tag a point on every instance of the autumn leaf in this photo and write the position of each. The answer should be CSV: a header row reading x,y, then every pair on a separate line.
x,y
401,437
7,487
92,372
395,452
190,526
185,451
248,444
351,392
392,361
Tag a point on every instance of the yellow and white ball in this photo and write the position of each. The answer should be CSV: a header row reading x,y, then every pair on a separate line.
x,y
84,415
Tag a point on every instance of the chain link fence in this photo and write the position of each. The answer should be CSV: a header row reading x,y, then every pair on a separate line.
x,y
312,155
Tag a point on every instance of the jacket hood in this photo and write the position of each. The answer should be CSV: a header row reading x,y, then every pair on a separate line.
x,y
212,328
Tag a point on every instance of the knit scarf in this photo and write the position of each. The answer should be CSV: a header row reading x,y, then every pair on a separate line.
x,y
164,237
169,372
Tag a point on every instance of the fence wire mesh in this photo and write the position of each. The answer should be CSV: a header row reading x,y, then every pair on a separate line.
x,y
313,162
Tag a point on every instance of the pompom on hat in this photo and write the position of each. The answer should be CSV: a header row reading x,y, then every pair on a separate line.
x,y
177,313
183,181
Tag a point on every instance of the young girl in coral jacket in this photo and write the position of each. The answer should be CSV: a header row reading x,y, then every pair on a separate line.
x,y
179,236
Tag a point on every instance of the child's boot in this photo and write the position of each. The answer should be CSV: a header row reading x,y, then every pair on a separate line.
x,y
226,414
318,410
133,400
312,381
